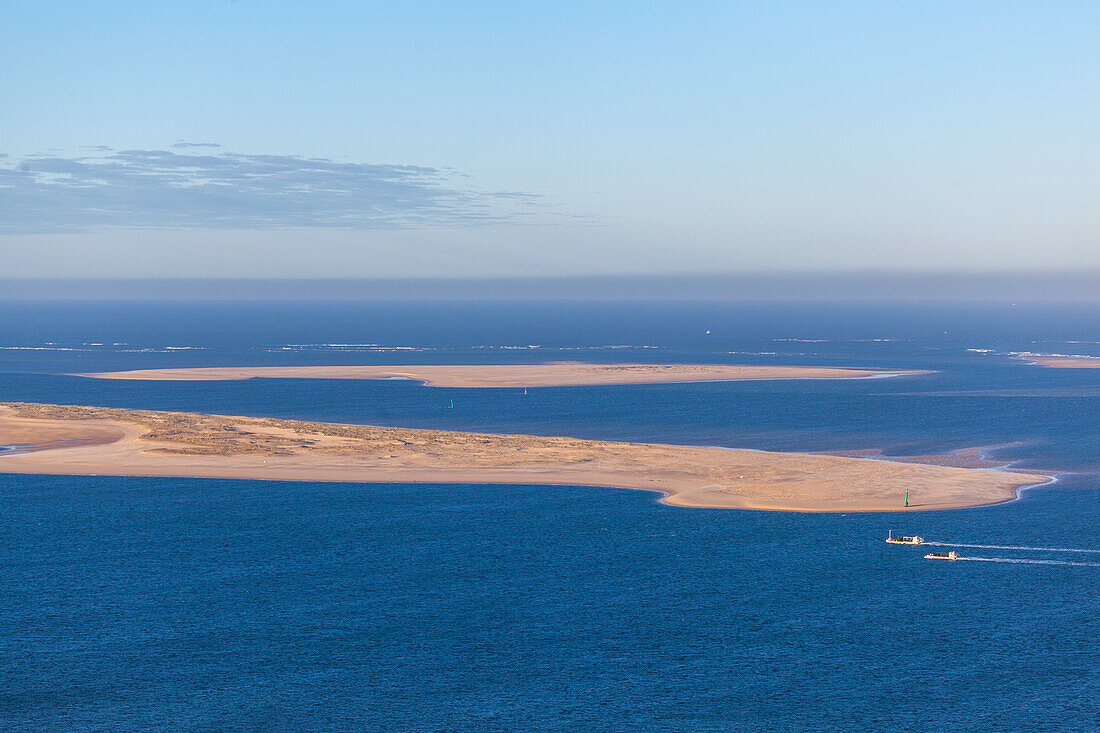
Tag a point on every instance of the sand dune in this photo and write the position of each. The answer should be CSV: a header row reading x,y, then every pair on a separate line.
x,y
144,443
554,374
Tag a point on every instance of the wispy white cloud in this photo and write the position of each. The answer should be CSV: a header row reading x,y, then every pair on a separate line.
x,y
224,190
185,144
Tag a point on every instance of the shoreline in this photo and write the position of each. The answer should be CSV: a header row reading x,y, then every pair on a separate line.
x,y
146,443
519,376
975,457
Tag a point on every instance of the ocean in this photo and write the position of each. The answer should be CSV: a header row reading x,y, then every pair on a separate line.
x,y
193,604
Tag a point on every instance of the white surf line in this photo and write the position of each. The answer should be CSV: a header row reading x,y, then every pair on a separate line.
x,y
1009,547
1026,561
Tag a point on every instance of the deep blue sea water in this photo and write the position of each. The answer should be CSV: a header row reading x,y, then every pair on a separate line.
x,y
187,604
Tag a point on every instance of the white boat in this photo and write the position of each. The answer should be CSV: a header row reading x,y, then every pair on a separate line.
x,y
914,540
942,556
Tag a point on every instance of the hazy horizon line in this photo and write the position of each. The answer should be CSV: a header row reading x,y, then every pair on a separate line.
x,y
853,285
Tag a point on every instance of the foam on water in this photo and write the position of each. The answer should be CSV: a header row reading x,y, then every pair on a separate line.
x,y
1030,561
1010,547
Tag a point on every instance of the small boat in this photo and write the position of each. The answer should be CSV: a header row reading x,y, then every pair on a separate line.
x,y
942,556
914,540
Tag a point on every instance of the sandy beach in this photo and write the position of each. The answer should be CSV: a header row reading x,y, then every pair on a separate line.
x,y
554,374
105,441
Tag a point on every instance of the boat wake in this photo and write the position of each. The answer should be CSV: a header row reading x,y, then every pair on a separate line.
x,y
1009,547
1028,561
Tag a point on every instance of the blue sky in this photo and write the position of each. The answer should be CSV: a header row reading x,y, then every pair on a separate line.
x,y
485,139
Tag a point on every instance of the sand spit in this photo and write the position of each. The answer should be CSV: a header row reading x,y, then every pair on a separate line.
x,y
145,443
554,374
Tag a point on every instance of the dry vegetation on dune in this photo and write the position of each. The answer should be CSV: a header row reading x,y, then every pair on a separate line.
x,y
199,434
100,440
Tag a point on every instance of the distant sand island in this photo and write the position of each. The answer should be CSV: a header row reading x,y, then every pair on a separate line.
x,y
1065,362
57,439
553,374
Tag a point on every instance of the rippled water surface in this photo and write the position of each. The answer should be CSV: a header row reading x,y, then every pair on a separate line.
x,y
138,604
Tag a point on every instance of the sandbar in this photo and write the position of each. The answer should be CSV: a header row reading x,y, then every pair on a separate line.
x,y
1065,362
553,374
125,442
